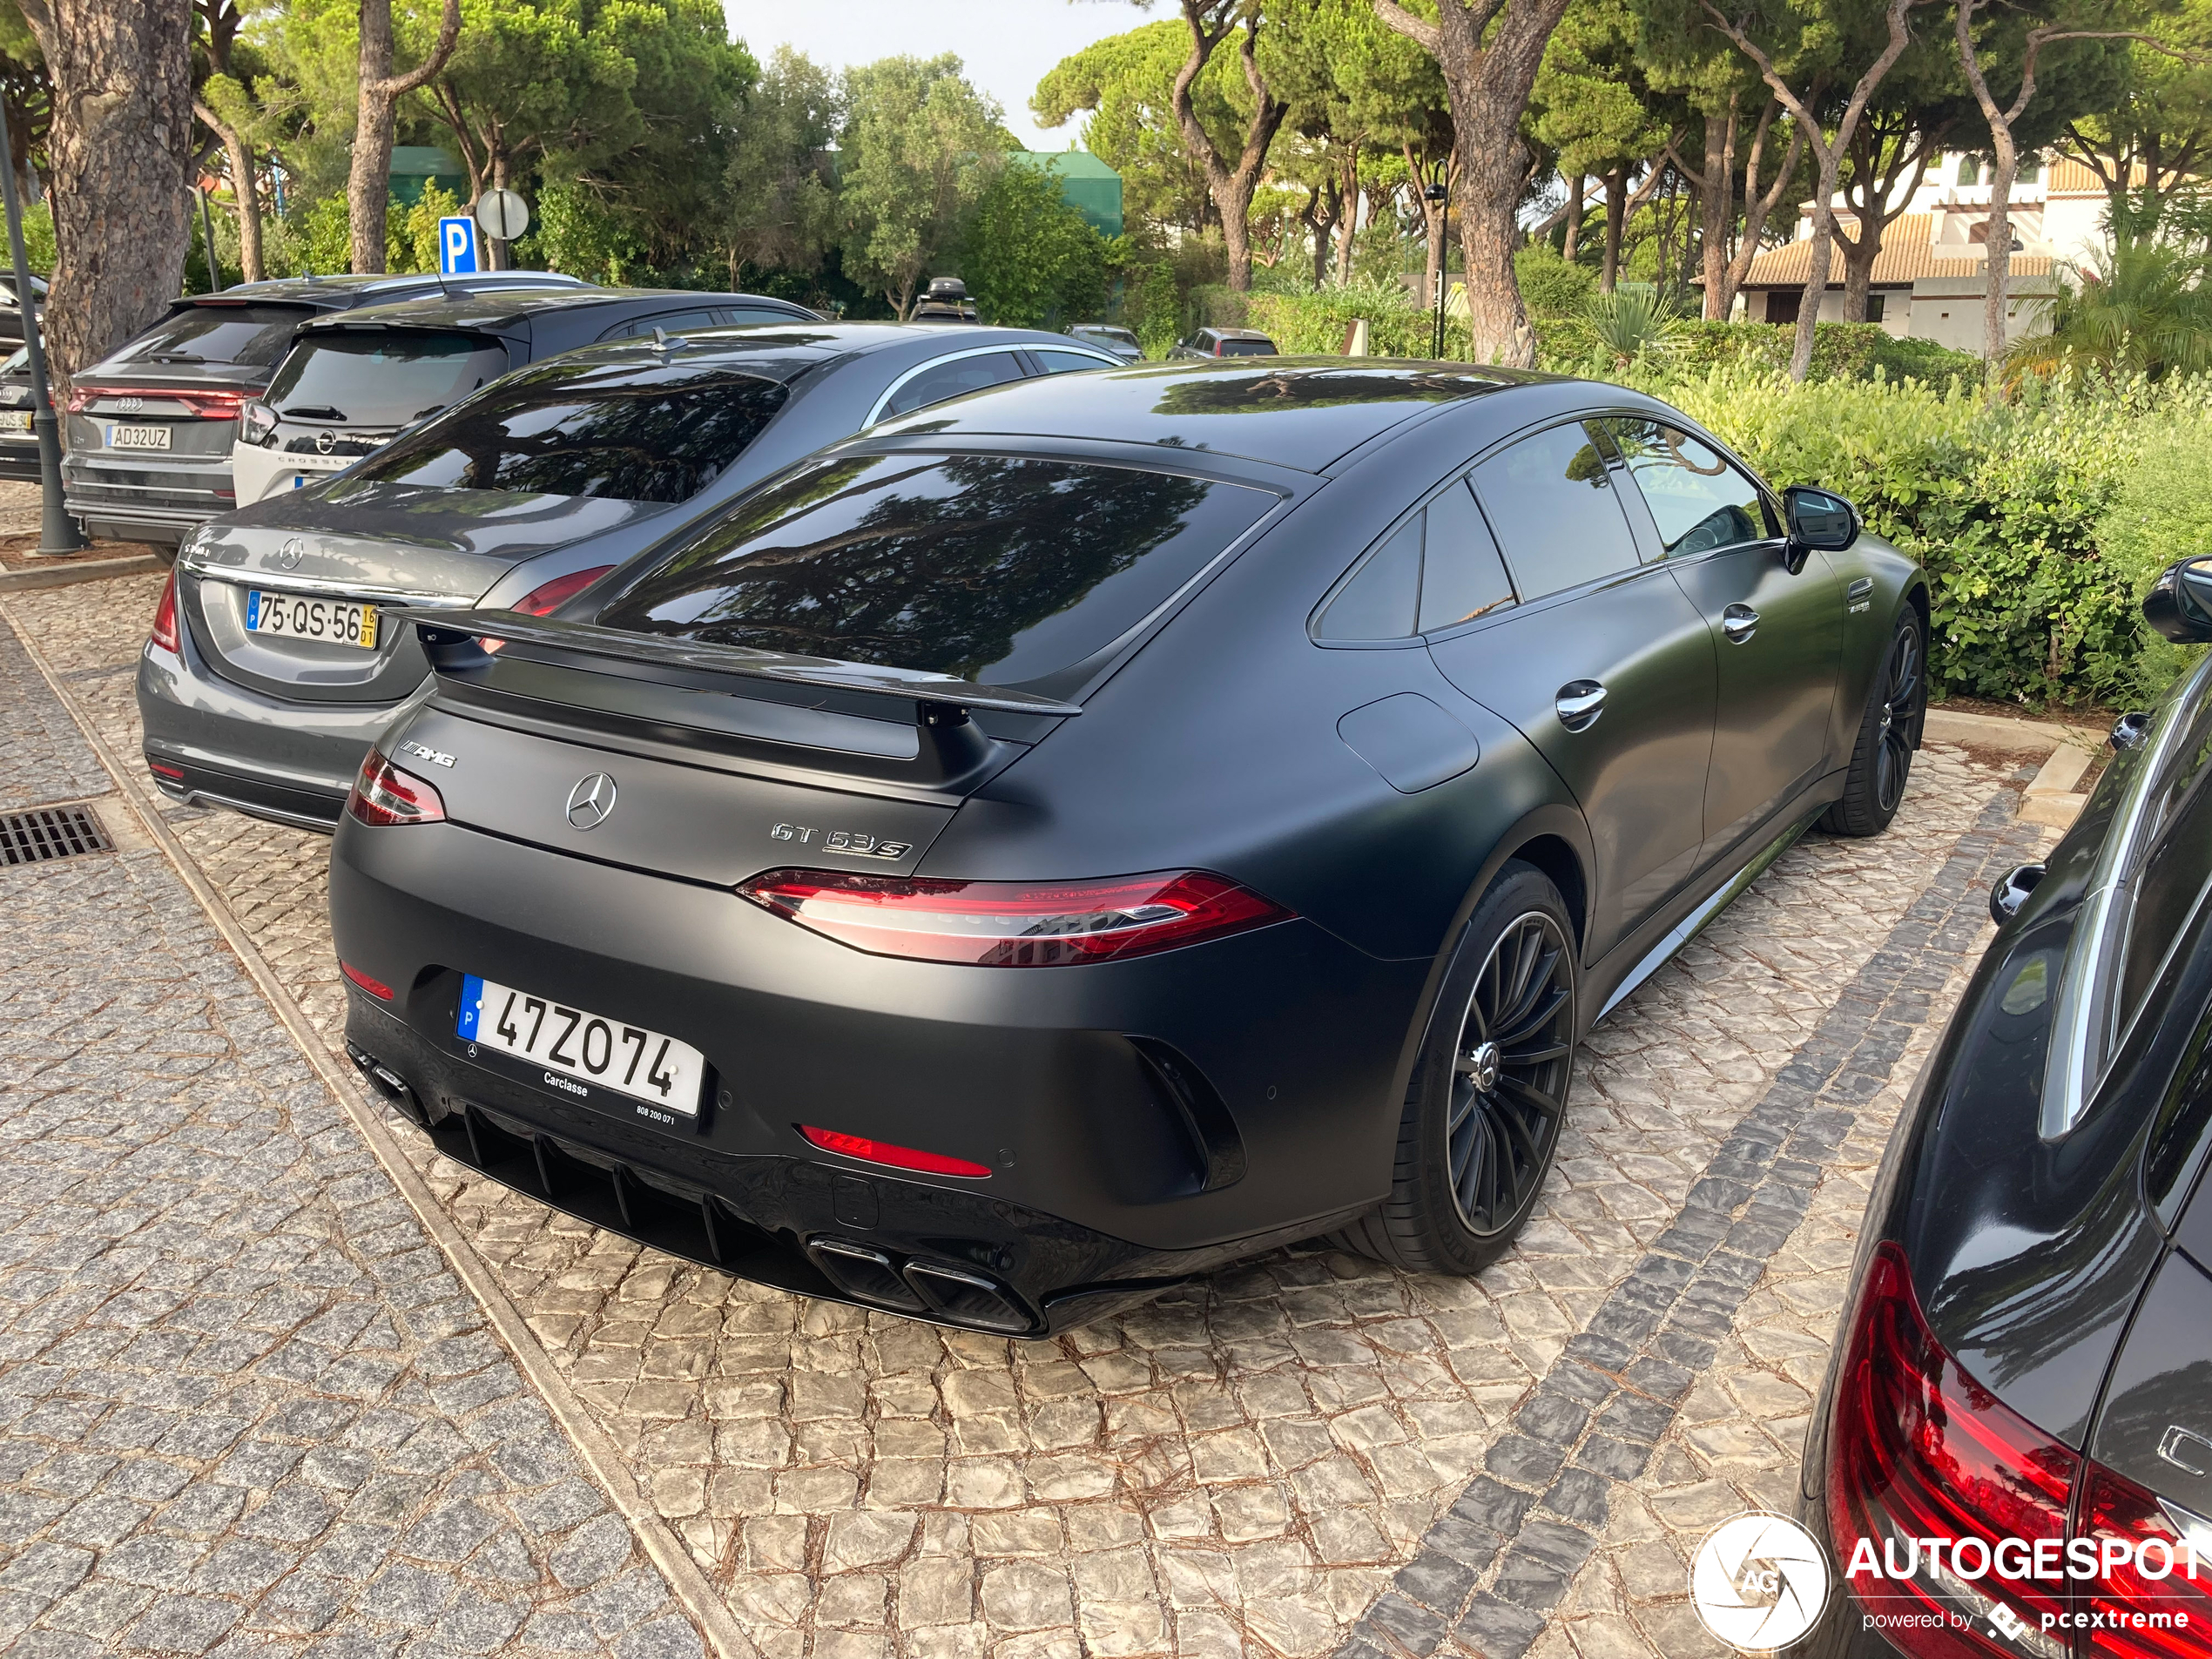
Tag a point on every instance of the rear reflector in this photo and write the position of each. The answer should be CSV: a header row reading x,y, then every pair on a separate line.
x,y
164,632
174,774
375,988
384,796
899,1157
1013,924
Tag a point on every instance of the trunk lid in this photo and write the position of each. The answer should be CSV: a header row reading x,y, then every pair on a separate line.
x,y
719,763
402,548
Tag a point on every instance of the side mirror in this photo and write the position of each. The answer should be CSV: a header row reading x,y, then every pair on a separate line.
x,y
2010,894
1819,522
2179,604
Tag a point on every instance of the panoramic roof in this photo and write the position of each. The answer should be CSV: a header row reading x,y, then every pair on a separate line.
x,y
1302,412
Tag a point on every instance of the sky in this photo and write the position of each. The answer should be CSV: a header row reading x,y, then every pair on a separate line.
x,y
1008,45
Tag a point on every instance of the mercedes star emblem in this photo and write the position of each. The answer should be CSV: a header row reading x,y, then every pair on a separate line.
x,y
290,555
591,800
325,441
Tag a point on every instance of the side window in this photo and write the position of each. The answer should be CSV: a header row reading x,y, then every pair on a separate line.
x,y
1698,499
1550,499
1462,576
1067,362
669,322
1382,601
751,316
1438,567
941,381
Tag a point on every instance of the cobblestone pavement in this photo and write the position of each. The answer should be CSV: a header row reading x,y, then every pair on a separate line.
x,y
1308,1453
245,1405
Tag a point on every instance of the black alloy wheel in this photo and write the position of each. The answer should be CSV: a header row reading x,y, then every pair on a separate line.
x,y
1482,1114
1508,1078
1889,731
1904,685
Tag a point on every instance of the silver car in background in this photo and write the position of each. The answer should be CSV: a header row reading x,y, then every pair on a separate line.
x,y
280,650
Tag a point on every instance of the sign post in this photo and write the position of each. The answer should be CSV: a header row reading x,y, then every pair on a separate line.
x,y
502,215
457,246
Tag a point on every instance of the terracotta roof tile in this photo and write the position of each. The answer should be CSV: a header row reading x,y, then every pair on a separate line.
x,y
1907,254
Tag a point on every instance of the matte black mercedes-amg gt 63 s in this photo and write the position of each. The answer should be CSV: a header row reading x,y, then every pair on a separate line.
x,y
992,871
2027,1353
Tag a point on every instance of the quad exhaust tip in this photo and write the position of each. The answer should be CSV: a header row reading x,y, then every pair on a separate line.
x,y
959,1295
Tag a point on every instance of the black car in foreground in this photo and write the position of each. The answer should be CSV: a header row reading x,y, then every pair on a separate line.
x,y
992,871
148,428
2013,1454
281,649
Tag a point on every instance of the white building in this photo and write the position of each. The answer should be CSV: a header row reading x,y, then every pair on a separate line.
x,y
1930,276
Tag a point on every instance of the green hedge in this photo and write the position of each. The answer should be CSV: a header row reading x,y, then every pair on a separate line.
x,y
2041,520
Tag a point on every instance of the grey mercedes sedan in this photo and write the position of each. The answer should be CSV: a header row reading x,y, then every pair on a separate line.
x,y
279,649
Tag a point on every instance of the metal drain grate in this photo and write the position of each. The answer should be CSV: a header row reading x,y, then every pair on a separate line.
x,y
50,833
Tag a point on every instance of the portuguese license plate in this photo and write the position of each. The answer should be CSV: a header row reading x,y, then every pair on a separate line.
x,y
334,622
138,437
575,1047
14,420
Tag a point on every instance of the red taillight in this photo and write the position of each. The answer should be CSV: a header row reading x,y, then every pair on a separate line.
x,y
207,406
2153,1597
899,1157
164,632
384,796
1013,924
1922,1453
543,602
212,406
375,988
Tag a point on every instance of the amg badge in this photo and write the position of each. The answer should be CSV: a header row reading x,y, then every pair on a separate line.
x,y
851,842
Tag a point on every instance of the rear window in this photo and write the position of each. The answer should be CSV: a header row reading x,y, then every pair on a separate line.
x,y
1247,348
624,430
384,377
982,567
253,335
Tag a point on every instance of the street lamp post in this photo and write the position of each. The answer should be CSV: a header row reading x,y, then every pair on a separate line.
x,y
57,532
1437,195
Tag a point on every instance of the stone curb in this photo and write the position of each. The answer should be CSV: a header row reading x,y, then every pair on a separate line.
x,y
63,576
2051,800
1537,1512
686,1582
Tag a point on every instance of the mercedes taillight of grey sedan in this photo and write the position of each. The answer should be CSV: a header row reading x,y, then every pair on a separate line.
x,y
1096,829
281,647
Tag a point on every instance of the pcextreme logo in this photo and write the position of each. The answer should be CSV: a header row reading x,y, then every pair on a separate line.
x,y
1759,1581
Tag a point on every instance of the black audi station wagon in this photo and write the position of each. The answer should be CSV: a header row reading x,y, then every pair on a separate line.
x,y
991,872
2014,1444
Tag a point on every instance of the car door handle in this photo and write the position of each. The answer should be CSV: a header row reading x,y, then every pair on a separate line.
x,y
1739,622
1580,704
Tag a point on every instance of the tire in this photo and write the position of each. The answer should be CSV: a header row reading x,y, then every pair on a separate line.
x,y
1889,731
1472,1155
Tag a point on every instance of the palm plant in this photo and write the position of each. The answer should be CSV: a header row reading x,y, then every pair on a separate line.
x,y
2144,306
1630,323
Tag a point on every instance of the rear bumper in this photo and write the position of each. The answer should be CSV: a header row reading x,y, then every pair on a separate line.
x,y
132,500
1100,1180
290,761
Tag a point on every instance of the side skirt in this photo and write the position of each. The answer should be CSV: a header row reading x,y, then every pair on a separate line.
x,y
1693,924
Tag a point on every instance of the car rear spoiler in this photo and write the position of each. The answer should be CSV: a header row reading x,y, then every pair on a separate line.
x,y
452,638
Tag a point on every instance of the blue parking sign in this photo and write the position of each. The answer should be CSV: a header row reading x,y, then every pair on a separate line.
x,y
457,246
